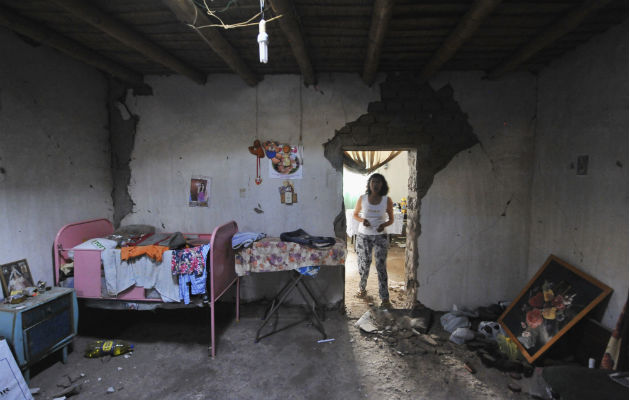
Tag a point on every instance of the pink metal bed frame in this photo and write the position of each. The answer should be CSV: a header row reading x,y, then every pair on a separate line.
x,y
87,264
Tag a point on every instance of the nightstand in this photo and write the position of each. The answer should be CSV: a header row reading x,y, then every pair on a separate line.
x,y
40,326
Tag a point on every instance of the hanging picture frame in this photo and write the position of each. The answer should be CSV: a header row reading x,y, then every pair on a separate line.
x,y
285,162
552,302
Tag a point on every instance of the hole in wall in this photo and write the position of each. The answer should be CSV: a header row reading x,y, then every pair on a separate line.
x,y
396,172
430,125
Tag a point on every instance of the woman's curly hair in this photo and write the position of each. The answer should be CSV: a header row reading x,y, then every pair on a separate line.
x,y
384,186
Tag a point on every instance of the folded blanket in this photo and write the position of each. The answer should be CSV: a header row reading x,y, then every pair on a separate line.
x,y
245,239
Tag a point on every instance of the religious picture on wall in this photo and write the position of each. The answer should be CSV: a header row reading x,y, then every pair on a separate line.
x,y
199,191
15,276
285,161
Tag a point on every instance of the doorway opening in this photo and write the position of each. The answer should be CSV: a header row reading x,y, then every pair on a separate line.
x,y
396,172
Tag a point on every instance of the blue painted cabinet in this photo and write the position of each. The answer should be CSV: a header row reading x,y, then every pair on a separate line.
x,y
40,325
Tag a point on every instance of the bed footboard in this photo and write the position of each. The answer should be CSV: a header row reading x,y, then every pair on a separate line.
x,y
222,274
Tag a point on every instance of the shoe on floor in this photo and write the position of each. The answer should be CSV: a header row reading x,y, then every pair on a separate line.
x,y
361,294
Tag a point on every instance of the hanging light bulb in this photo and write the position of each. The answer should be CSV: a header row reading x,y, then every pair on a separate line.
x,y
263,40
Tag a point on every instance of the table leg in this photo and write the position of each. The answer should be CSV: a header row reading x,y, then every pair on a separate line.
x,y
276,303
317,322
64,354
312,306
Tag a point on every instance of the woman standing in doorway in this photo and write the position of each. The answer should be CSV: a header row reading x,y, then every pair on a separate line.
x,y
374,211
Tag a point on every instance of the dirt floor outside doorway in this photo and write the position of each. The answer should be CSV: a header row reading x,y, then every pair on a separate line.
x,y
396,275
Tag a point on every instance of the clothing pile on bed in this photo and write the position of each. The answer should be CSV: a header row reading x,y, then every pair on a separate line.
x,y
166,262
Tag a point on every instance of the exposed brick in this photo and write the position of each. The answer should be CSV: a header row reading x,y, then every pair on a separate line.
x,y
396,131
443,118
431,106
422,116
377,106
445,93
378,129
383,117
413,106
388,92
394,106
345,130
362,139
366,119
360,130
408,93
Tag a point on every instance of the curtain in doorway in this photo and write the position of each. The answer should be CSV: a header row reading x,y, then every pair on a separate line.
x,y
366,162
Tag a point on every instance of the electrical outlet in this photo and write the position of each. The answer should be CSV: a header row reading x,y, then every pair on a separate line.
x,y
241,192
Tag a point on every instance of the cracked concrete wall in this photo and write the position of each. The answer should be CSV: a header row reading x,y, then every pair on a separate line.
x,y
469,191
54,150
122,133
185,129
475,216
583,219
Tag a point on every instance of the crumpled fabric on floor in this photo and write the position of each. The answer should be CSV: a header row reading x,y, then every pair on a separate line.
x,y
456,318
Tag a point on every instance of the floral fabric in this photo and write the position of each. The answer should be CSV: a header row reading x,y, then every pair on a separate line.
x,y
272,254
188,261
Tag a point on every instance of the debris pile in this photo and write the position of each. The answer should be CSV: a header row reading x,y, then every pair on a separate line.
x,y
405,330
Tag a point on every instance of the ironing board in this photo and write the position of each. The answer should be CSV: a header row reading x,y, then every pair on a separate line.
x,y
271,255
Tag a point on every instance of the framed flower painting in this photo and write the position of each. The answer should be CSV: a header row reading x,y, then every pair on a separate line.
x,y
554,300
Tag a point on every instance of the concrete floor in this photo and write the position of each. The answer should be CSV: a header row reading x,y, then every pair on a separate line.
x,y
171,360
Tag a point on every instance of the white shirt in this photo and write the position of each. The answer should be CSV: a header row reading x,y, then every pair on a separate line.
x,y
376,214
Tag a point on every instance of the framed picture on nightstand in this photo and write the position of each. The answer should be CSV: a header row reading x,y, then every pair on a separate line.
x,y
15,276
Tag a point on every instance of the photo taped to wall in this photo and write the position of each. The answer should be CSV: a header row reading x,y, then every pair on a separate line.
x,y
199,194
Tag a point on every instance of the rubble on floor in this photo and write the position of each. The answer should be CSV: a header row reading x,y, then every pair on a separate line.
x,y
410,333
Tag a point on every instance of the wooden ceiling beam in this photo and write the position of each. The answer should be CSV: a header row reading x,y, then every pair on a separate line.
x,y
187,12
563,26
381,15
39,33
129,37
291,28
464,30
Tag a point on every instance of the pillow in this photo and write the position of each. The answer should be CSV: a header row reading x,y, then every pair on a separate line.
x,y
93,244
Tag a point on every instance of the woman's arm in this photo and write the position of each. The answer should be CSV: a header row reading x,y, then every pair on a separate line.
x,y
390,215
357,210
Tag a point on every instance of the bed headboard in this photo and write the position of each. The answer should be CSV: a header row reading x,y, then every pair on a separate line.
x,y
222,272
77,233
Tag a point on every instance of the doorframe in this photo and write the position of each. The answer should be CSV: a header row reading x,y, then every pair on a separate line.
x,y
413,217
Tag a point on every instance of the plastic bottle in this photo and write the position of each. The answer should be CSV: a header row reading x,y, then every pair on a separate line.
x,y
101,348
507,347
